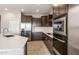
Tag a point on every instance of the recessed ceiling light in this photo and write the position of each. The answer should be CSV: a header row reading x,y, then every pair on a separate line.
x,y
55,4
6,9
37,10
22,10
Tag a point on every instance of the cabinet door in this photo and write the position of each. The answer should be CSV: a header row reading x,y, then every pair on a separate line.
x,y
60,9
23,18
50,44
28,18
36,22
36,35
55,11
63,9
50,18
44,20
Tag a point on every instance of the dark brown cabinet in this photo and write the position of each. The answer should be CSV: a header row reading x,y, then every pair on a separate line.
x,y
47,20
44,21
48,42
36,22
59,10
36,36
50,20
25,18
63,9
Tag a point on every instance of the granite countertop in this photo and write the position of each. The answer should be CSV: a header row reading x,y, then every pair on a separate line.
x,y
14,42
50,35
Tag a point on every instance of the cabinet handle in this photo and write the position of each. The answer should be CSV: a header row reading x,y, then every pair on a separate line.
x,y
60,40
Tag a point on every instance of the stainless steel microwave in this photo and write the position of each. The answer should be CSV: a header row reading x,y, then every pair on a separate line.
x,y
59,25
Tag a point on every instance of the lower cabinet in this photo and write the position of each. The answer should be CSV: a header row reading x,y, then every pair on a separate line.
x,y
36,36
49,43
25,49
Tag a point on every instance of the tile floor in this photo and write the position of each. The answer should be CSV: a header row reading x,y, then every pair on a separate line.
x,y
37,48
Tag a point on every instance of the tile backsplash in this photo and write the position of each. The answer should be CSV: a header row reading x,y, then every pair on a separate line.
x,y
43,29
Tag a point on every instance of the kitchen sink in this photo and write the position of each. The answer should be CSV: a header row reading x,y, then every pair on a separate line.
x,y
50,33
9,35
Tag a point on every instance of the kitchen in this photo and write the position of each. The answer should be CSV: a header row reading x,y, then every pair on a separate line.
x,y
44,31
37,29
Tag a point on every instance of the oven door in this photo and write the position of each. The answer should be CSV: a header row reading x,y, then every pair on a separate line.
x,y
59,47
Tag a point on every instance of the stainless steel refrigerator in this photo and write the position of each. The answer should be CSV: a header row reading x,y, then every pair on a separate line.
x,y
26,29
73,29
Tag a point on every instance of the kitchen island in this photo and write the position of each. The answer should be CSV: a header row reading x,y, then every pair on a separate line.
x,y
16,45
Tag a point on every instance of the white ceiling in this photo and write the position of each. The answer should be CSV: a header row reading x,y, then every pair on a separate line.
x,y
28,8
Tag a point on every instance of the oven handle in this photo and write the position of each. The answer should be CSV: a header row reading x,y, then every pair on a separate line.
x,y
59,40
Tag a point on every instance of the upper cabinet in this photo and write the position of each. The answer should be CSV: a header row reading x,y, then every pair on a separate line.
x,y
60,10
63,9
50,19
25,18
46,21
36,22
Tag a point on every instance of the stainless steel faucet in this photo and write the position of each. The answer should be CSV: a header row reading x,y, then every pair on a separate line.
x,y
5,29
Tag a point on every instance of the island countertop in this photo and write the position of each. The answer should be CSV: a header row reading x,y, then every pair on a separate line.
x,y
15,42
